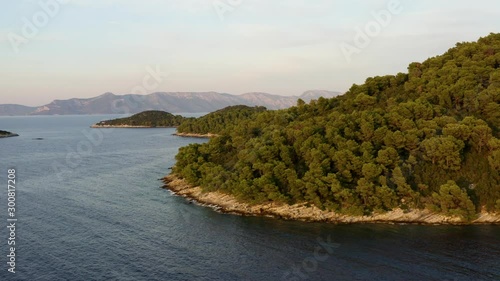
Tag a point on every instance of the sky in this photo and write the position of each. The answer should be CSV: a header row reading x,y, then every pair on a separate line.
x,y
60,49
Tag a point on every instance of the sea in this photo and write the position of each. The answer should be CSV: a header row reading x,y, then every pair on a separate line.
x,y
88,205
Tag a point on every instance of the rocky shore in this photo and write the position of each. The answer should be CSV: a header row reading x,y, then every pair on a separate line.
x,y
191,135
225,203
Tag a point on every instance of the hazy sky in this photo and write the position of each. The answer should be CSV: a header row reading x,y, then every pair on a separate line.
x,y
84,48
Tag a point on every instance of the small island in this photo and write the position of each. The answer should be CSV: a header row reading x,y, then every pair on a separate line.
x,y
146,119
5,134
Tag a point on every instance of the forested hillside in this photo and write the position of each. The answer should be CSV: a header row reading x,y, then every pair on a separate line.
x,y
152,118
219,121
428,138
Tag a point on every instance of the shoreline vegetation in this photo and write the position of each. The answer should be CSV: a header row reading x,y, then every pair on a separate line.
x,y
225,203
5,134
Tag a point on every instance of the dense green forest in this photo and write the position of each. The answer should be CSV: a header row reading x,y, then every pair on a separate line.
x,y
219,121
151,118
428,138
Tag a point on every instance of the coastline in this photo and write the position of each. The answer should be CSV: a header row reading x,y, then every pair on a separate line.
x,y
225,203
192,135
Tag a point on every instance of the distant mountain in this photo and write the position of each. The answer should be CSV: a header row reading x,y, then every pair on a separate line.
x,y
176,102
316,94
15,109
267,100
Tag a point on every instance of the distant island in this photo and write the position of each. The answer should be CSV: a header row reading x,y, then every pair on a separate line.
x,y
421,146
146,119
5,134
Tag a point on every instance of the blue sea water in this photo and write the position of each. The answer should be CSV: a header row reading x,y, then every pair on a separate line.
x,y
90,207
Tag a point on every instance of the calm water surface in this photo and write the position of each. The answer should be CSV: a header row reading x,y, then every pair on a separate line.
x,y
95,211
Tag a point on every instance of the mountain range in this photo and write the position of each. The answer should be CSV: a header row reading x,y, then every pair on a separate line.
x,y
174,102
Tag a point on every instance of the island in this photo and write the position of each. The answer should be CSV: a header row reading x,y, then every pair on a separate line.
x,y
146,119
5,134
415,147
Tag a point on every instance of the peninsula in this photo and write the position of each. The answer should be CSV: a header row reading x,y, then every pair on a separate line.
x,y
5,134
421,146
217,122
